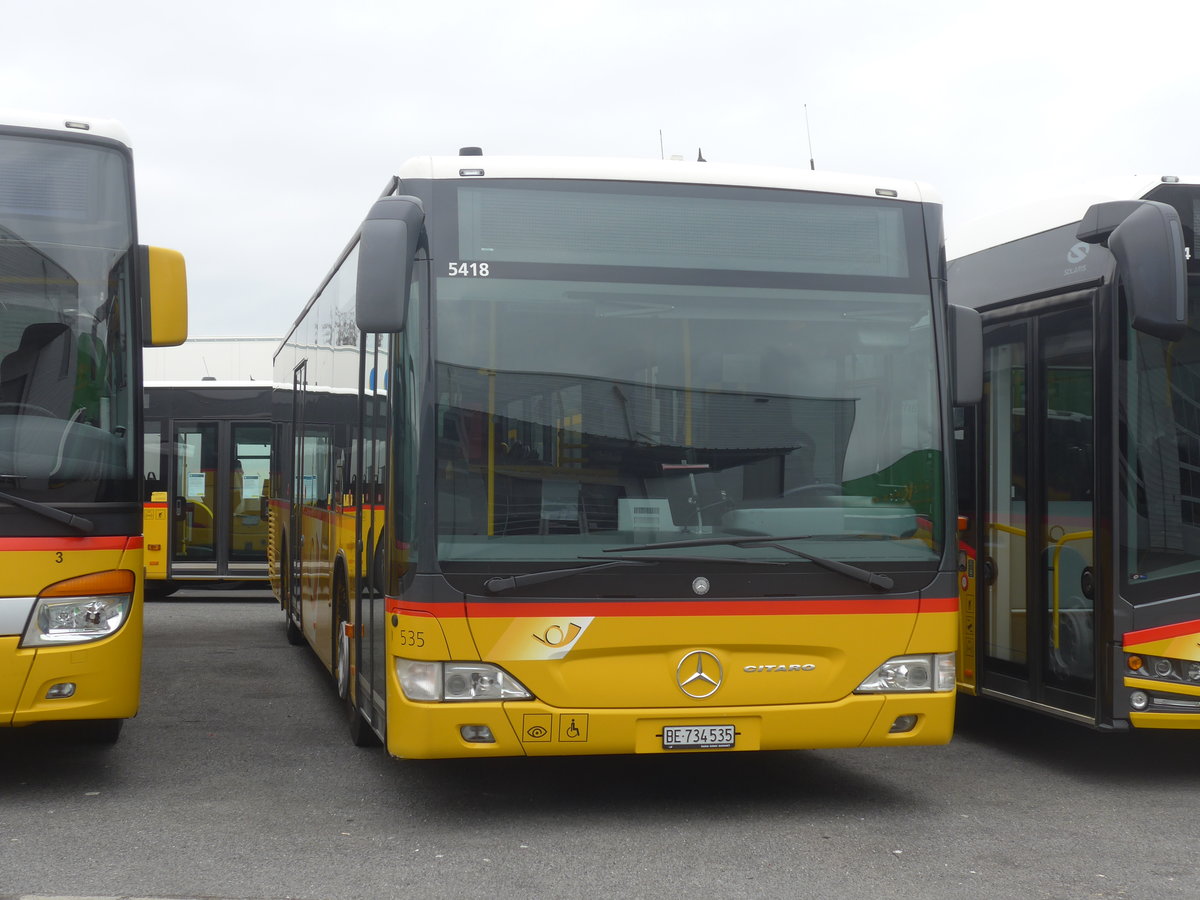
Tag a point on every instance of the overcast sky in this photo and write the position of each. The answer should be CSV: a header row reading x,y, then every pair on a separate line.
x,y
263,131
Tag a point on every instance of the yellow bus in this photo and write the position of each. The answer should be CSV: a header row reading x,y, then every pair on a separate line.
x,y
80,297
1080,472
582,456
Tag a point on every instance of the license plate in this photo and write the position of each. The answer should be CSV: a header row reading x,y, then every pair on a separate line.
x,y
698,737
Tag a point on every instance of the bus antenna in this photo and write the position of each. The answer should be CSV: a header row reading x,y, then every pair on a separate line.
x,y
811,164
662,153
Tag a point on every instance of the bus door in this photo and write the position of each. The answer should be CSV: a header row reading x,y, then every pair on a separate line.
x,y
370,460
195,493
245,537
217,526
1036,600
294,548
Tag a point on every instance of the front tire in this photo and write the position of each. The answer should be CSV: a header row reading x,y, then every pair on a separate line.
x,y
295,636
361,733
101,732
158,590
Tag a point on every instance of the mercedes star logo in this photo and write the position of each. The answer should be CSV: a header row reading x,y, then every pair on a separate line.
x,y
699,674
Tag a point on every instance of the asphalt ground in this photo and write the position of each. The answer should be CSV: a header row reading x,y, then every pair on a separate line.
x,y
237,780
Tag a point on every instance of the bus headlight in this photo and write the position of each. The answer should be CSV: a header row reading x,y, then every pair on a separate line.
x,y
904,674
80,609
1161,668
436,682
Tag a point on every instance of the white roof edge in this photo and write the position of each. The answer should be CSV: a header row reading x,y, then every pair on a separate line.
x,y
1052,212
108,128
663,171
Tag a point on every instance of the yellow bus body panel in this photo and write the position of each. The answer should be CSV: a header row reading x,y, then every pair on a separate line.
x,y
1186,721
154,530
967,637
14,671
610,684
106,672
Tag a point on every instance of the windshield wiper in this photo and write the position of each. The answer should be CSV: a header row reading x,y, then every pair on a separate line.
x,y
50,512
742,561
880,582
500,583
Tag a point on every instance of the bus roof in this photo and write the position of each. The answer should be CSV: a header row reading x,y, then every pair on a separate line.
x,y
71,125
663,171
1051,212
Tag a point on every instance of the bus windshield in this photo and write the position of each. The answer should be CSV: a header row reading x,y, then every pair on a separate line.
x,y
1160,439
622,364
66,399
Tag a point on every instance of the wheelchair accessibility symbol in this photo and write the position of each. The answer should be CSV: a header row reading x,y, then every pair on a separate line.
x,y
573,727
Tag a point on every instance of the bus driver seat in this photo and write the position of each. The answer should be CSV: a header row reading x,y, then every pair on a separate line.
x,y
40,372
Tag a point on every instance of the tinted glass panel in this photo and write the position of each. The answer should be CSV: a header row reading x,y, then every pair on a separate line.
x,y
1160,460
67,425
636,390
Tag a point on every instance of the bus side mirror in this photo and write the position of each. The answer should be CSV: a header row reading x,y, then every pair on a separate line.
x,y
966,349
1146,238
163,279
387,244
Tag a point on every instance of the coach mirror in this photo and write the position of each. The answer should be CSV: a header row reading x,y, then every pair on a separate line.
x,y
966,345
1146,238
163,277
387,245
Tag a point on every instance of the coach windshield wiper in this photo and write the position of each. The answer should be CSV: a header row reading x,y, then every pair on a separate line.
x,y
500,583
50,512
875,580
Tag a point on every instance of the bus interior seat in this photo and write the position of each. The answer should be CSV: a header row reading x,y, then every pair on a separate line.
x,y
40,372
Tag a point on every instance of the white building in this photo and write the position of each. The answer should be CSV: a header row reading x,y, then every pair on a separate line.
x,y
204,358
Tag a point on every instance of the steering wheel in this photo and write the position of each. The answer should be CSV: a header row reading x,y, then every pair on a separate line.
x,y
21,406
818,489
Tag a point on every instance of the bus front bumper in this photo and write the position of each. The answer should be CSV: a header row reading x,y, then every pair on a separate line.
x,y
98,680
531,728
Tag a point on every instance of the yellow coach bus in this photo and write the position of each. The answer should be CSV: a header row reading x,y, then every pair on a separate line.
x,y
609,456
79,298
1080,472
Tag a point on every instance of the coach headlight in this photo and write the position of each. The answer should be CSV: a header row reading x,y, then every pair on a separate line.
x,y
80,609
906,674
435,682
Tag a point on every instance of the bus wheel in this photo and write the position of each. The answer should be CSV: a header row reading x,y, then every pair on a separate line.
x,y
100,731
157,590
341,640
295,636
361,732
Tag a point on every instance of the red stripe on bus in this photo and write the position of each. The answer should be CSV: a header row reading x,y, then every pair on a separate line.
x,y
826,607
1161,633
115,542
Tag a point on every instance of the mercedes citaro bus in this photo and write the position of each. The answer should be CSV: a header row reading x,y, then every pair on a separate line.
x,y
580,456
